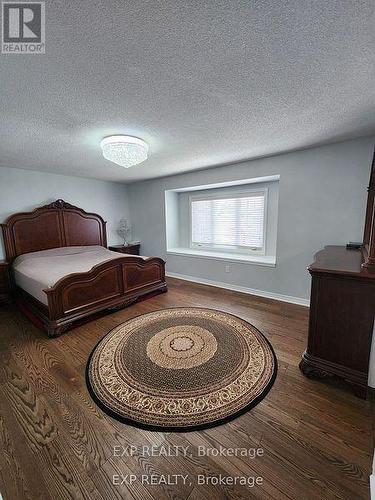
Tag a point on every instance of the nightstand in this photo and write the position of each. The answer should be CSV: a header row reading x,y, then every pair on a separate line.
x,y
132,248
5,282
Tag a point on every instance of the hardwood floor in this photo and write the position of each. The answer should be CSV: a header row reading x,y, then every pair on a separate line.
x,y
55,443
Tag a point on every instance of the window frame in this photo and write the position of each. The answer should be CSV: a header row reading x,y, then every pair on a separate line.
x,y
230,194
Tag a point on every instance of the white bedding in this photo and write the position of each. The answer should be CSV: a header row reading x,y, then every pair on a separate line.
x,y
39,270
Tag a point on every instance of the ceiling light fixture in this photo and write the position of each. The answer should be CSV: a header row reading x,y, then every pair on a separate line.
x,y
124,150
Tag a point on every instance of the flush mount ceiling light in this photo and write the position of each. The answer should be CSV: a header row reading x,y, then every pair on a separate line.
x,y
124,150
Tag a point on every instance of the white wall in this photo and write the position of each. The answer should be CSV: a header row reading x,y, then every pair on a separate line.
x,y
26,189
322,201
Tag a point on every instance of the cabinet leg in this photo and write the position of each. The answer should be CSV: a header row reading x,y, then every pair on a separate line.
x,y
56,331
313,368
361,391
311,371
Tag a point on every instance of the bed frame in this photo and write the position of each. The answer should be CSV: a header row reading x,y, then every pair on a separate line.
x,y
109,286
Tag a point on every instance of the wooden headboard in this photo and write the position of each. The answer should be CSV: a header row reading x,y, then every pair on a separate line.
x,y
58,224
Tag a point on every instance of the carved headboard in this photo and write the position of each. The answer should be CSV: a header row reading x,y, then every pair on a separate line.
x,y
58,224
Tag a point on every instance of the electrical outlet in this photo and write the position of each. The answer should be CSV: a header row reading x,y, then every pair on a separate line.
x,y
227,269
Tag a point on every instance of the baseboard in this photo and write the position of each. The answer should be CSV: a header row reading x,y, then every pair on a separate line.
x,y
243,289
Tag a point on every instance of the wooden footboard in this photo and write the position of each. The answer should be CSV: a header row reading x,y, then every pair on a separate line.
x,y
110,285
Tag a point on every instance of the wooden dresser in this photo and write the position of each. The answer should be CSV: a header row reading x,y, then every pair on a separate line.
x,y
342,311
342,308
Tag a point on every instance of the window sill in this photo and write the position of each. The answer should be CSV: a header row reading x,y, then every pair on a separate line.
x,y
259,260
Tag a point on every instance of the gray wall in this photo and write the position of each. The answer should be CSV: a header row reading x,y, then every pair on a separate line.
x,y
322,201
26,189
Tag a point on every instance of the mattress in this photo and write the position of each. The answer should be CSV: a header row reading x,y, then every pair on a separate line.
x,y
37,271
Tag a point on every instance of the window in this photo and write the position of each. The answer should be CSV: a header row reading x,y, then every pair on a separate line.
x,y
234,222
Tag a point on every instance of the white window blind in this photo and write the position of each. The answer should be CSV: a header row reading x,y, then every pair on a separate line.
x,y
236,221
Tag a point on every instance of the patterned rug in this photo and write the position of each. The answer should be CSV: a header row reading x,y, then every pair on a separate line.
x,y
180,369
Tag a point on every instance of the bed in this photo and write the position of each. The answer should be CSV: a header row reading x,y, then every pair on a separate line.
x,y
63,272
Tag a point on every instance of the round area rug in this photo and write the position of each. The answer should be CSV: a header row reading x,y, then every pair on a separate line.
x,y
180,369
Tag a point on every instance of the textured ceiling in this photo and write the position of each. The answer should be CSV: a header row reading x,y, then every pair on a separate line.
x,y
204,83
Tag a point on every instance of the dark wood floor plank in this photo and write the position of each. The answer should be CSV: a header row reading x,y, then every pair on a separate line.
x,y
232,466
113,472
18,471
30,410
317,437
63,474
273,472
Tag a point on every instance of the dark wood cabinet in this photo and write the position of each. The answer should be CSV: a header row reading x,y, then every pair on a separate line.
x,y
5,282
132,248
342,308
342,311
